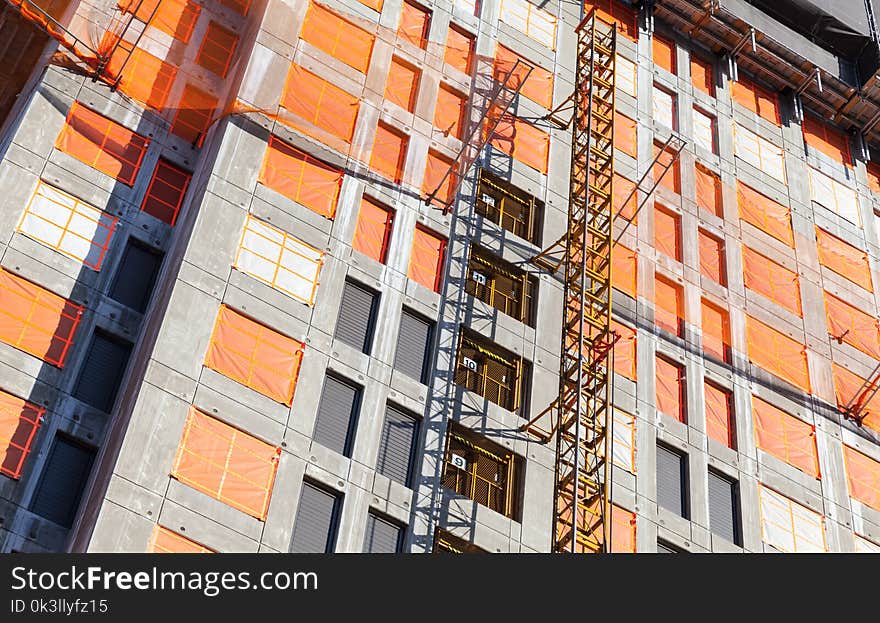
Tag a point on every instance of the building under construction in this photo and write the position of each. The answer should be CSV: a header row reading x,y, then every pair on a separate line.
x,y
464,276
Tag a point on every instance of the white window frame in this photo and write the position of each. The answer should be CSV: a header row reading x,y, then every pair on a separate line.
x,y
789,526
533,22
758,152
663,107
837,197
705,130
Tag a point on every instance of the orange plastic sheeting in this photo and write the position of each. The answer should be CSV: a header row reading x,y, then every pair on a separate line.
x,y
622,189
539,85
459,49
668,305
615,12
757,99
624,264
716,330
624,350
667,233
702,75
218,48
373,230
873,169
626,135
165,194
785,437
719,415
623,531
708,191
319,105
672,178
254,355
402,84
376,5
226,463
450,111
165,541
414,24
663,53
389,153
826,139
194,115
777,353
144,77
712,264
435,169
102,144
764,213
426,261
239,6
848,386
863,477
35,320
19,421
769,279
844,259
852,325
338,37
174,17
670,388
301,178
523,141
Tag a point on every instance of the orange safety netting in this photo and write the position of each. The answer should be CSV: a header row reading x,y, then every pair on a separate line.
x,y
702,75
459,51
255,355
376,5
338,37
663,53
373,230
142,76
873,170
226,463
785,436
623,269
848,388
719,414
862,477
402,84
436,167
426,261
670,388
769,279
174,17
844,259
716,330
712,264
539,85
825,138
625,135
218,49
318,106
615,12
668,305
852,325
165,194
35,320
165,541
623,189
764,213
414,24
195,114
19,422
667,233
301,178
449,113
239,6
102,144
522,141
708,191
777,353
757,99
672,178
624,350
389,153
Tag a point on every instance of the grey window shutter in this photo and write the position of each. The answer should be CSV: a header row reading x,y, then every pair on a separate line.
x,y
396,445
723,519
382,537
413,346
136,276
314,530
101,371
337,415
357,311
62,481
671,481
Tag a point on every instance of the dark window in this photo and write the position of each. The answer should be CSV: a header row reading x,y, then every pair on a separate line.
x,y
666,548
337,415
357,316
317,518
136,275
501,284
102,370
672,480
62,481
383,536
509,207
724,507
494,373
396,445
411,356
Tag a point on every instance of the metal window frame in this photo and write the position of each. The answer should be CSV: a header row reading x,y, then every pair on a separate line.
x,y
515,390
517,305
506,196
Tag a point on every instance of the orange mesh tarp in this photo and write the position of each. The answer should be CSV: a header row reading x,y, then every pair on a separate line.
x,y
873,169
450,110
226,463
165,541
702,75
338,37
667,233
624,350
712,264
389,153
239,6
436,167
623,271
668,308
844,259
35,320
663,53
708,191
625,135
785,437
777,353
764,213
757,99
622,189
863,477
615,12
103,144
254,355
319,106
459,49
19,421
769,279
539,85
672,178
376,5
848,387
852,325
623,531
194,115
426,261
144,77
826,139
716,330
218,48
719,423
299,177
173,17
414,25
373,230
402,84
670,388
165,194
522,141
